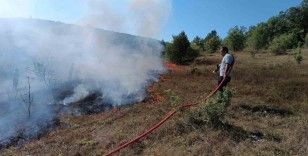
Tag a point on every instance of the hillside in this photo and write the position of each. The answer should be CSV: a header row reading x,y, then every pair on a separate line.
x,y
49,69
268,115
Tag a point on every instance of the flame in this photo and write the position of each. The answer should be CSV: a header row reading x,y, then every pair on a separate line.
x,y
173,67
155,95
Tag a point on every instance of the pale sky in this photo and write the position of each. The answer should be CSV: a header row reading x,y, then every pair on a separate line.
x,y
141,17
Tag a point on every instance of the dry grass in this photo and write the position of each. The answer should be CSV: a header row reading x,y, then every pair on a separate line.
x,y
266,87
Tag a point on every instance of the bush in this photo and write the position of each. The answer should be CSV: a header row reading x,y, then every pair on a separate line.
x,y
214,110
197,43
258,37
212,41
298,56
236,38
174,99
212,44
280,44
180,51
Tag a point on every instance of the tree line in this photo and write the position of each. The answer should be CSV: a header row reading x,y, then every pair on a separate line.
x,y
287,30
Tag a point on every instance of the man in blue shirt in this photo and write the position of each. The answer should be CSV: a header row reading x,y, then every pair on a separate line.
x,y
225,67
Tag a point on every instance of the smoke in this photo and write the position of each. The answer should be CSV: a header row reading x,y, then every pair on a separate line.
x,y
41,60
100,15
150,15
140,17
45,63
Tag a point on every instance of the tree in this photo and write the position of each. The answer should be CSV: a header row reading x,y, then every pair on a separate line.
x,y
180,51
210,35
236,38
281,43
212,41
304,8
258,37
164,46
276,26
212,44
198,42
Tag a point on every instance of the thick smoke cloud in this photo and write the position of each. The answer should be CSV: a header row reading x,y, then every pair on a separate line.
x,y
150,15
44,59
44,63
140,17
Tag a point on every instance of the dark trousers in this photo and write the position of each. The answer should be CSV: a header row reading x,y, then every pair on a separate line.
x,y
227,80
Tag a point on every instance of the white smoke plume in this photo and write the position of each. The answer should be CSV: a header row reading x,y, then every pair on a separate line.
x,y
140,17
150,15
43,63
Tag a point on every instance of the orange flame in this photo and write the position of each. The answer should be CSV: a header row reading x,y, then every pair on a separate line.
x,y
173,67
155,96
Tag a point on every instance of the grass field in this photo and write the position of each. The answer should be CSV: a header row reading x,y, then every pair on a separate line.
x,y
268,115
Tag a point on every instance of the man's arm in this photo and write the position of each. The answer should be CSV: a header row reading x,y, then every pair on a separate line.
x,y
229,60
227,67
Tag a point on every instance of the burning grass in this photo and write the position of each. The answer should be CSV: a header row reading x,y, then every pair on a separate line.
x,y
173,67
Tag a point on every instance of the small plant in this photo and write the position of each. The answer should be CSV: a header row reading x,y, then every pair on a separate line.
x,y
88,143
213,111
252,53
216,107
174,99
298,56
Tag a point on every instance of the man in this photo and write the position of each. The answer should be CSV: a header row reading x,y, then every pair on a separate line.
x,y
225,67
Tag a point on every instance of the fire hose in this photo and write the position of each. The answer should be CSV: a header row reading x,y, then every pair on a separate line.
x,y
163,120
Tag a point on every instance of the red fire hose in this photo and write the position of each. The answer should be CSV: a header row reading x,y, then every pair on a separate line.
x,y
163,120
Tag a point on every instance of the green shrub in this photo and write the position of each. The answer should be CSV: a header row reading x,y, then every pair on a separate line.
x,y
216,108
280,44
213,111
180,51
212,41
298,56
212,44
236,38
174,99
197,43
258,37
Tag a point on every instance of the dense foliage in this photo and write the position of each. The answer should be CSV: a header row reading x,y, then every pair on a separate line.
x,y
212,42
281,43
236,38
180,51
198,43
287,30
284,31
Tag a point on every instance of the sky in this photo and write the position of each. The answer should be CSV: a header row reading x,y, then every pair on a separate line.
x,y
158,19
